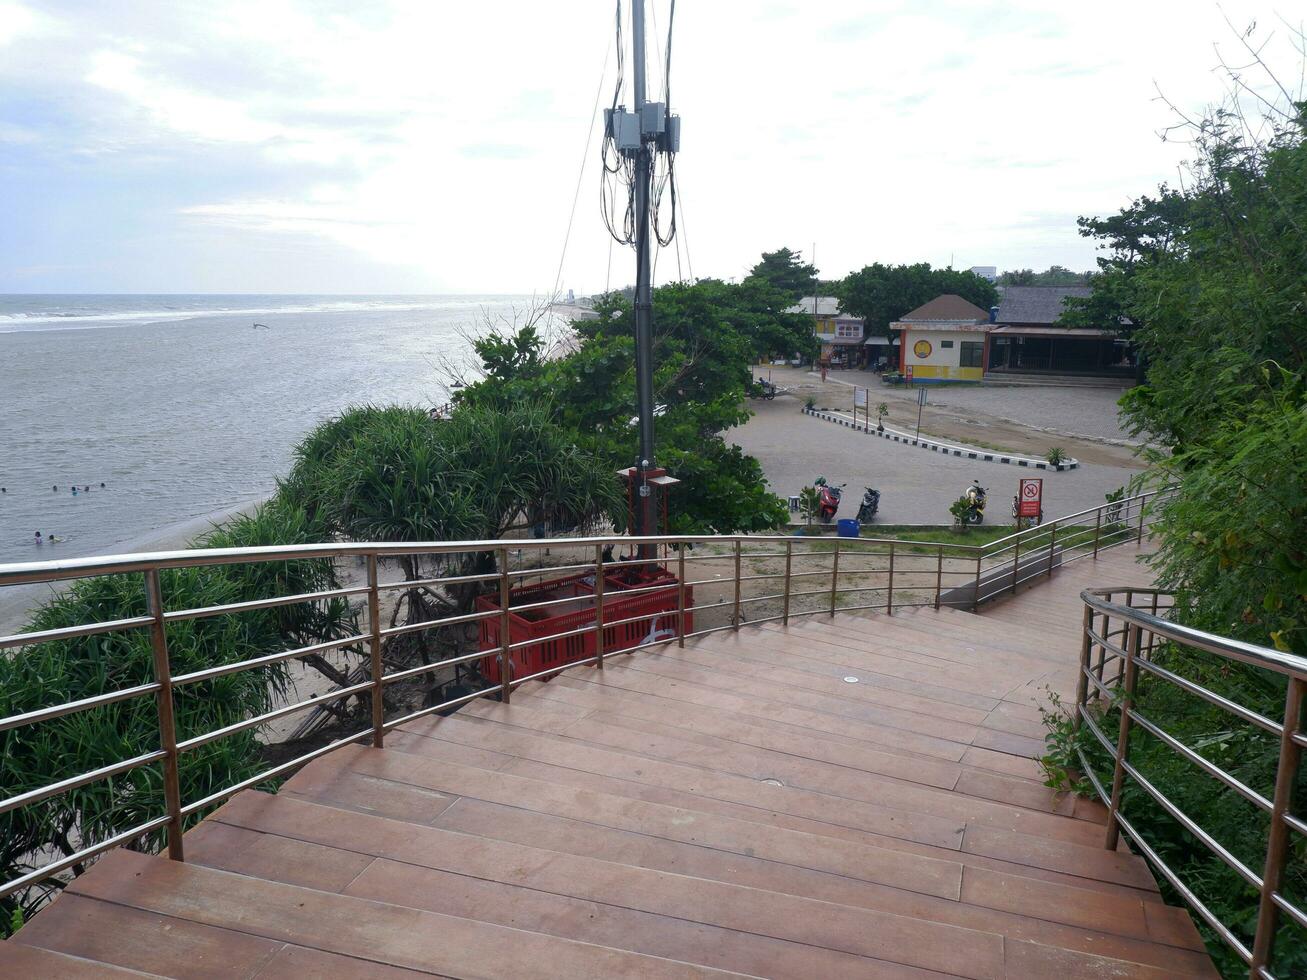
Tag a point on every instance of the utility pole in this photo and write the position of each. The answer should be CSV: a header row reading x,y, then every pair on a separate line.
x,y
646,513
639,135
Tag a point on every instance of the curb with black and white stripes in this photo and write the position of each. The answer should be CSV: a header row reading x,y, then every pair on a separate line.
x,y
940,447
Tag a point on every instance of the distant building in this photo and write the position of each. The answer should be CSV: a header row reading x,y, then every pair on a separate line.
x,y
950,339
989,272
1026,339
840,335
943,340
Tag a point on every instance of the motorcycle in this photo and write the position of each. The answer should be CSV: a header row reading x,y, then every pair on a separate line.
x,y
1021,522
870,504
828,499
975,498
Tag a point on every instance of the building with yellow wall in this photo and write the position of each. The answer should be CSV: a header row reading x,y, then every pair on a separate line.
x,y
943,340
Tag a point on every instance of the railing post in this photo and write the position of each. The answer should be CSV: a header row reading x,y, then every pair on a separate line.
x,y
505,631
1123,736
1052,541
975,595
1082,678
172,794
1140,537
599,606
680,595
889,590
939,574
1277,844
374,653
834,576
1016,562
1098,529
735,610
785,602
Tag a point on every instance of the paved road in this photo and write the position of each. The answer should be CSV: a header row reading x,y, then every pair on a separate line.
x,y
916,485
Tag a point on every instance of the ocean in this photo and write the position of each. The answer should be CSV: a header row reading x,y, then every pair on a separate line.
x,y
184,409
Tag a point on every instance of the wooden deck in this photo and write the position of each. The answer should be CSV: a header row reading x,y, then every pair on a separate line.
x,y
846,797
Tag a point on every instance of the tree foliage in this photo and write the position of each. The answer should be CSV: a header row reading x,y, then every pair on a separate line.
x,y
786,272
61,671
880,294
1054,275
1211,281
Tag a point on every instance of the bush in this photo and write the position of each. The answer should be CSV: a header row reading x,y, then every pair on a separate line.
x,y
1056,456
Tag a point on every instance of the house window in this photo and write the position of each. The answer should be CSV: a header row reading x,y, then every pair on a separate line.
x,y
848,330
946,344
973,354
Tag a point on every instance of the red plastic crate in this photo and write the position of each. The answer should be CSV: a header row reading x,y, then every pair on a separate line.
x,y
653,616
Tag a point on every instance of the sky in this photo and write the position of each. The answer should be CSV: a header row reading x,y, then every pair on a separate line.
x,y
382,146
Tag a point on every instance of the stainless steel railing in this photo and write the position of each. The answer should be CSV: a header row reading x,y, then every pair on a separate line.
x,y
766,580
1124,631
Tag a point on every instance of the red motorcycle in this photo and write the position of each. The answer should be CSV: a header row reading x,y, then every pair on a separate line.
x,y
828,499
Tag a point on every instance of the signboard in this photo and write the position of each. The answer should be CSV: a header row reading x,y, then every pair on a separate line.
x,y
1030,499
859,397
922,349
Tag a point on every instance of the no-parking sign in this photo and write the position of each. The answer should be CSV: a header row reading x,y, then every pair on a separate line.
x,y
1031,497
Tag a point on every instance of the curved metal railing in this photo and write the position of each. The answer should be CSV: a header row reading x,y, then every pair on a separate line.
x,y
1112,660
766,580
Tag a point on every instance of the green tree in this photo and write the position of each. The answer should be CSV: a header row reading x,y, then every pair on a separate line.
x,y
786,272
1055,275
880,294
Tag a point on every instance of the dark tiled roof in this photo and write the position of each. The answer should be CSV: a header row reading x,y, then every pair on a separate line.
x,y
947,307
1035,304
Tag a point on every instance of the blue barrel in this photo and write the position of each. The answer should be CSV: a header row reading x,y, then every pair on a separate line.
x,y
848,528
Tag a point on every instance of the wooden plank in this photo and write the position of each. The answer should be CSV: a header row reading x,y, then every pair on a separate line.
x,y
17,960
390,934
126,937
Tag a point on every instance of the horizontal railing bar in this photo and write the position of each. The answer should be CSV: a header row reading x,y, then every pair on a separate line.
x,y
589,628
799,595
1295,822
267,716
761,598
1193,900
1288,908
547,603
462,699
757,578
68,708
400,675
655,614
431,624
1103,689
209,673
559,668
699,607
1182,818
73,782
1238,710
272,773
1103,641
70,632
85,854
231,608
422,583
1088,770
1209,767
1282,663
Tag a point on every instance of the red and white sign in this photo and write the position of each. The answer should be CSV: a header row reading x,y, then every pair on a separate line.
x,y
1031,497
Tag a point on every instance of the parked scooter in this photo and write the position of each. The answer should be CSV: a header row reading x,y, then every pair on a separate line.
x,y
870,504
1021,522
829,499
975,497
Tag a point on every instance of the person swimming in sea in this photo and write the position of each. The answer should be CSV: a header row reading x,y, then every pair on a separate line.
x,y
74,491
38,538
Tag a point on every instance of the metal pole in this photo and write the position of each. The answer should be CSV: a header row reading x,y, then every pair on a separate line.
x,y
1052,540
889,591
785,607
599,606
680,595
505,631
1098,527
735,612
939,574
172,794
1016,562
374,652
1082,678
1123,737
645,517
975,596
834,576
1139,539
1277,844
